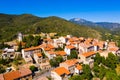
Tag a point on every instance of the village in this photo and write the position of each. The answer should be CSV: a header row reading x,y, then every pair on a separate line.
x,y
58,58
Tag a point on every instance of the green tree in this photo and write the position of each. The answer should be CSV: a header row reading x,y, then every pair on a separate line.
x,y
97,58
53,63
37,41
102,72
111,61
73,54
2,69
103,60
77,77
87,72
33,68
96,69
16,62
56,61
111,75
59,59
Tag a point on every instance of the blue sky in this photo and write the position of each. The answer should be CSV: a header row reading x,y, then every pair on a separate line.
x,y
93,10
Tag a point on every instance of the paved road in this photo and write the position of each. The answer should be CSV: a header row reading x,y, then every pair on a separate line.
x,y
45,74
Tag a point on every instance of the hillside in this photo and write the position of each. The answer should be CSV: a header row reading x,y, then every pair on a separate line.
x,y
10,25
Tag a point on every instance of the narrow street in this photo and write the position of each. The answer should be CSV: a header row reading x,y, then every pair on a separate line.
x,y
44,74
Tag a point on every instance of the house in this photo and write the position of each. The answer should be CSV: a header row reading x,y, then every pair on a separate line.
x,y
22,74
112,47
12,44
114,50
50,54
62,53
68,49
78,69
45,66
85,47
47,47
70,65
28,59
8,53
60,73
63,39
38,58
25,74
28,53
87,57
14,75
57,43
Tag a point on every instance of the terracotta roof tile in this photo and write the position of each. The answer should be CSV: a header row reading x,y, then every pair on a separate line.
x,y
87,54
71,62
12,75
25,72
62,53
17,74
47,49
113,49
39,54
32,48
61,70
79,67
70,47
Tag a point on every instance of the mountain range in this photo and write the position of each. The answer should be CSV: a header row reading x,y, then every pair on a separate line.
x,y
107,25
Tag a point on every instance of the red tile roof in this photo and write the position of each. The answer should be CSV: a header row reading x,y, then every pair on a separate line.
x,y
70,47
17,74
25,72
71,62
32,48
113,48
87,54
61,70
12,75
62,53
39,54
79,67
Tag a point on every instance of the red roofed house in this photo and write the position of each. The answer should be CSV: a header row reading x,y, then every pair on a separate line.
x,y
87,57
50,54
112,47
23,74
68,49
57,43
62,53
27,53
78,69
60,73
70,65
38,58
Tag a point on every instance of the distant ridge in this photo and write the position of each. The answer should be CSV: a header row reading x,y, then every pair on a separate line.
x,y
107,25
